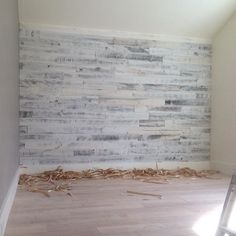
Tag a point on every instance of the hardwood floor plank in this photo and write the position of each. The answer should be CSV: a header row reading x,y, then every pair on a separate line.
x,y
104,208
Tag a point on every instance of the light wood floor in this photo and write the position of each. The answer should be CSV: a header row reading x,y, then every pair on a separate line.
x,y
104,208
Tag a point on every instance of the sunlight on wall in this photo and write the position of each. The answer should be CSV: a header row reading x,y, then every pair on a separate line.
x,y
207,224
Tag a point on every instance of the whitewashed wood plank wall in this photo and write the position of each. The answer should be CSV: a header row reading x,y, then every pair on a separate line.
x,y
87,98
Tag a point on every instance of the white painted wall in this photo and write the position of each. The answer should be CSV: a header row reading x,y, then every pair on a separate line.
x,y
8,101
192,18
223,147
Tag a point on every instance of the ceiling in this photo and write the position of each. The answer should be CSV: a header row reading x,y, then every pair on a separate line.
x,y
191,18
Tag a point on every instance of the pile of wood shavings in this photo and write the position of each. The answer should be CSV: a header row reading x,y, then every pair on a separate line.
x,y
60,180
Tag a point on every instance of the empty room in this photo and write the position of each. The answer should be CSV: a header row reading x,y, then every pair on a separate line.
x,y
117,118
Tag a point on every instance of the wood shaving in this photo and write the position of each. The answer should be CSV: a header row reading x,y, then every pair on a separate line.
x,y
57,180
145,194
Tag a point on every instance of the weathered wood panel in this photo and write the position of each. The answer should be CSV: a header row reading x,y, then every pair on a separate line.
x,y
86,98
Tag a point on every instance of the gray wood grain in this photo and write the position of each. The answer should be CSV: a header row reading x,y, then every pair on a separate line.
x,y
88,98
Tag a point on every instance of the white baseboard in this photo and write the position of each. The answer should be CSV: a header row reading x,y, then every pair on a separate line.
x,y
7,203
198,165
224,167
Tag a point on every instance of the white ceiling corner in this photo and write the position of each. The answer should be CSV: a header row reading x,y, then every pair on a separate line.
x,y
189,18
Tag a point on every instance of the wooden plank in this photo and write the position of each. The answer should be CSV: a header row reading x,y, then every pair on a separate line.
x,y
74,87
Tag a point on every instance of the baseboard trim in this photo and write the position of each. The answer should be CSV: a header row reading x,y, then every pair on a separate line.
x,y
224,167
8,202
198,165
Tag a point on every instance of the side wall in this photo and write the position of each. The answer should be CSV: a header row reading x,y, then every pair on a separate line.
x,y
223,154
94,99
8,94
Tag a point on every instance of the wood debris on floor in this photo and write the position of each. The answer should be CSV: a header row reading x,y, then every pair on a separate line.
x,y
145,194
60,180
